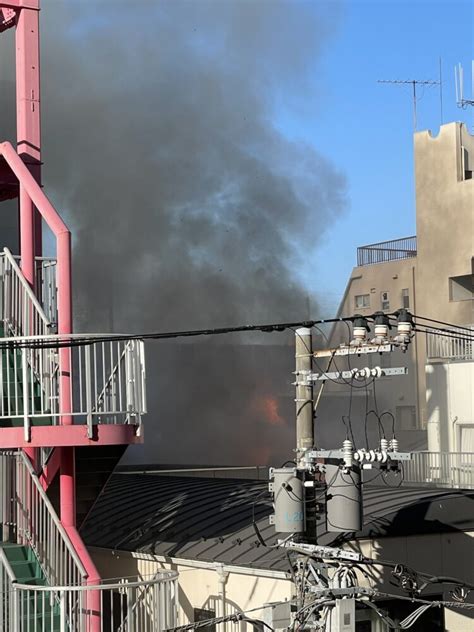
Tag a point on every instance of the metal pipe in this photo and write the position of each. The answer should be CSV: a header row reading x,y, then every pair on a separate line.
x,y
222,581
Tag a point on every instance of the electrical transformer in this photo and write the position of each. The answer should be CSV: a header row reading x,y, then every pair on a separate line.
x,y
289,499
343,498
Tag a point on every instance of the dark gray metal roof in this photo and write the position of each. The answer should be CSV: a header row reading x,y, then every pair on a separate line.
x,y
211,519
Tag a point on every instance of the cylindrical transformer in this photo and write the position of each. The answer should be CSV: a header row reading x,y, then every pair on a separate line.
x,y
288,495
343,498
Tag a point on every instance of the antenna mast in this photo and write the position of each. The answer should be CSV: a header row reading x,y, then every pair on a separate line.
x,y
414,83
461,102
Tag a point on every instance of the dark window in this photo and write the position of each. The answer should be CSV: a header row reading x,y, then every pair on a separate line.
x,y
363,626
362,301
384,301
466,164
406,298
201,614
461,288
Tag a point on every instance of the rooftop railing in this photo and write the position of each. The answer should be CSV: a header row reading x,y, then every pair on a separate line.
x,y
440,469
456,344
384,251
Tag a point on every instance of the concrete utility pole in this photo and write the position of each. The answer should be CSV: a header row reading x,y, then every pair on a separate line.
x,y
304,393
326,588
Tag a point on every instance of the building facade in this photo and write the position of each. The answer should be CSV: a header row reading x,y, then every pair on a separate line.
x,y
431,273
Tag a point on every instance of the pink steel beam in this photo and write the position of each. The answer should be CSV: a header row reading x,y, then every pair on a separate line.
x,y
28,130
20,4
63,247
59,229
32,189
65,436
26,21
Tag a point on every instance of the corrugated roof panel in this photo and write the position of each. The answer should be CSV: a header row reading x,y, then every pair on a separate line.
x,y
211,519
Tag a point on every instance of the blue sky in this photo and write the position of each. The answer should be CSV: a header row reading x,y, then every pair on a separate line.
x,y
366,128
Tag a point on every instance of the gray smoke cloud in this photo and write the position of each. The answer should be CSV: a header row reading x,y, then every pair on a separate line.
x,y
189,206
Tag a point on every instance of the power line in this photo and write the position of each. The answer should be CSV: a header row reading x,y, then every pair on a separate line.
x,y
57,341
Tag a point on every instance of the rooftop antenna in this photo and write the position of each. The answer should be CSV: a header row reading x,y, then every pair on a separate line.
x,y
414,83
461,102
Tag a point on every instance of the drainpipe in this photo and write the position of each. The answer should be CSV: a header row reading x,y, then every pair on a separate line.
x,y
221,582
452,440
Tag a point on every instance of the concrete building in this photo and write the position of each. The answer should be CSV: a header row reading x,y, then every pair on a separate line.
x,y
430,273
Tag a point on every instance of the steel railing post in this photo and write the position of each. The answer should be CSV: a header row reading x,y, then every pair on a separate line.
x,y
26,416
88,387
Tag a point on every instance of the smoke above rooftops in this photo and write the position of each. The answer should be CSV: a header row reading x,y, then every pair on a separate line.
x,y
190,207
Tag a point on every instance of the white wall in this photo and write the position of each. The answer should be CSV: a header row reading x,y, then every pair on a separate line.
x,y
450,406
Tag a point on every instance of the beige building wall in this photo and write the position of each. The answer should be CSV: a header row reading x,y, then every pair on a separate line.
x,y
444,220
445,226
393,277
445,249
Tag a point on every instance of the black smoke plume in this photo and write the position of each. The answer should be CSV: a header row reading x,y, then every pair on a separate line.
x,y
189,206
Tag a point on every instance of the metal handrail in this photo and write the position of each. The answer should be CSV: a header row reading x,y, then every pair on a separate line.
x,y
114,371
47,503
26,287
142,605
168,577
23,315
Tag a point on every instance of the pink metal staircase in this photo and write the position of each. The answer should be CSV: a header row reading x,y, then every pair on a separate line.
x,y
56,401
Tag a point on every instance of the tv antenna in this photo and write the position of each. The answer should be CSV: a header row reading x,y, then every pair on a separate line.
x,y
415,83
461,102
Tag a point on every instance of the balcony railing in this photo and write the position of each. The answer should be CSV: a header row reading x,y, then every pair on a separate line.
x,y
386,251
456,344
108,385
108,379
440,469
131,605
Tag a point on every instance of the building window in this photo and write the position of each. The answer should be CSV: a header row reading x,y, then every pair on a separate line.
x,y
466,166
461,288
406,417
406,298
202,614
384,301
362,301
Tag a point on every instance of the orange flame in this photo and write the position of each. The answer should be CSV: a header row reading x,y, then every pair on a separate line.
x,y
268,407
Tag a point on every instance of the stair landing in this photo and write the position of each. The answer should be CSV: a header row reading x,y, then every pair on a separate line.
x,y
64,436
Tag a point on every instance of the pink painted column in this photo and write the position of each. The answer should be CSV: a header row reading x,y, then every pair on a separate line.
x,y
28,136
28,121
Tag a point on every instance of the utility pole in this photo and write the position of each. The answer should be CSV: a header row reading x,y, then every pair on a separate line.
x,y
326,589
304,393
